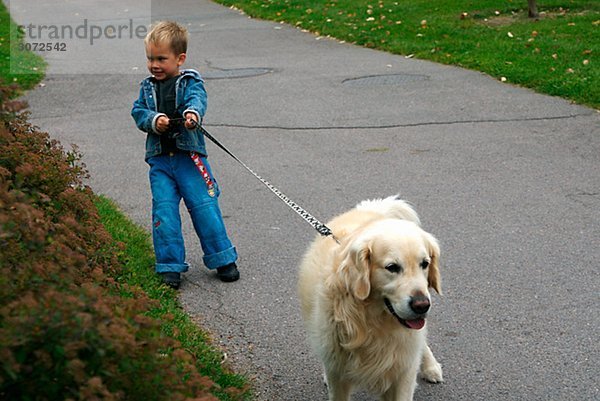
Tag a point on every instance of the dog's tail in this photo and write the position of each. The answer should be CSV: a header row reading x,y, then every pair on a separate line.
x,y
392,207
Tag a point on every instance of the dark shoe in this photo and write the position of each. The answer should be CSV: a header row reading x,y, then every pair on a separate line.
x,y
228,273
172,279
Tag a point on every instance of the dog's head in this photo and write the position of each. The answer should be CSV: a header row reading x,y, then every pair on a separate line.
x,y
393,262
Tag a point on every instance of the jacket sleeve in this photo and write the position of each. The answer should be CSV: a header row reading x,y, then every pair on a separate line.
x,y
195,98
144,118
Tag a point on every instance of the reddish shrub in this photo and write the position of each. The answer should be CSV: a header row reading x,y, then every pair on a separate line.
x,y
65,333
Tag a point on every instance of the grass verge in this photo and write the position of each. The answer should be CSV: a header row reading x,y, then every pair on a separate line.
x,y
23,68
556,54
137,258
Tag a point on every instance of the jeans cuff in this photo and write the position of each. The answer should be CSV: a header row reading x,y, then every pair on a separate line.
x,y
220,259
171,267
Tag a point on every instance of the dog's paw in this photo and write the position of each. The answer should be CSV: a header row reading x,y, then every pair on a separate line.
x,y
433,373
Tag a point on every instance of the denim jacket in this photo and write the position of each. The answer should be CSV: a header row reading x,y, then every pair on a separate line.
x,y
190,96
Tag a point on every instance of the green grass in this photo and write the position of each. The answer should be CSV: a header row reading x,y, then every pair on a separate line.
x,y
138,259
23,68
556,55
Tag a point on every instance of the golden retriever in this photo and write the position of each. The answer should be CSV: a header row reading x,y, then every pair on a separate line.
x,y
365,300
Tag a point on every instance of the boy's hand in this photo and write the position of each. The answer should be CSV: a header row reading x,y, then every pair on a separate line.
x,y
191,120
162,124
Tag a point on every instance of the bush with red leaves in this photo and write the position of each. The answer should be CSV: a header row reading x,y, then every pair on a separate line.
x,y
65,333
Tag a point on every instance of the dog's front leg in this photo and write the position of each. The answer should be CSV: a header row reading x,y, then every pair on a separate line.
x,y
339,389
403,389
431,370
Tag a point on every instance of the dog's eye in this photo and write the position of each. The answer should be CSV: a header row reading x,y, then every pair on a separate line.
x,y
424,264
394,268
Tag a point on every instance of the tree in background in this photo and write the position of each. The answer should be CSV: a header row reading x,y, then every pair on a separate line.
x,y
533,12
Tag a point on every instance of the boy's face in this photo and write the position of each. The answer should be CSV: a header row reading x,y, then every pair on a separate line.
x,y
162,62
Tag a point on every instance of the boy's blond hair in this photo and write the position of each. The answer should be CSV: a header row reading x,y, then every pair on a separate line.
x,y
171,33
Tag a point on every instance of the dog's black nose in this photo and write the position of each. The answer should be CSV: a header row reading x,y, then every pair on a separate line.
x,y
420,304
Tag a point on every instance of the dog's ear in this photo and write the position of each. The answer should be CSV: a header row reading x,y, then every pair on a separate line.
x,y
434,279
355,268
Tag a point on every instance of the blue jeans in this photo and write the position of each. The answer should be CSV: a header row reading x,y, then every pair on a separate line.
x,y
173,177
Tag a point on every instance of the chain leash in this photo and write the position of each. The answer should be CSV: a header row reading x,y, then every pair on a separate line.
x,y
309,218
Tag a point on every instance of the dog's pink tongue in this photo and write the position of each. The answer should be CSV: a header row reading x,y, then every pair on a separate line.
x,y
416,324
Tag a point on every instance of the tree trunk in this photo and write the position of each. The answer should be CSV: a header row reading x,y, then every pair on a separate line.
x,y
533,12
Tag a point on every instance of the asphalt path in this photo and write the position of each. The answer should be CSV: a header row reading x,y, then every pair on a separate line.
x,y
506,179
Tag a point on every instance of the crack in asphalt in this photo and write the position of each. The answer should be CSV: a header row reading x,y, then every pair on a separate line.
x,y
407,125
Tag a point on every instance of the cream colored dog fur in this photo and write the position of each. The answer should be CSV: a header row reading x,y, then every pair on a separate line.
x,y
364,301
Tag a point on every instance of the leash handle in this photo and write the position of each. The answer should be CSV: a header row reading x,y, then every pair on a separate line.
x,y
181,121
309,218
